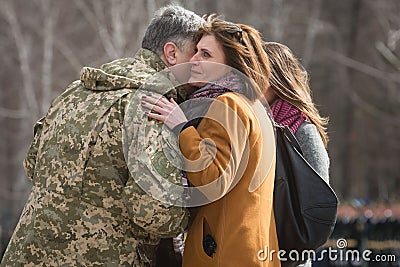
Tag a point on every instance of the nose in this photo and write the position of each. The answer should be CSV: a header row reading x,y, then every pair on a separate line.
x,y
194,59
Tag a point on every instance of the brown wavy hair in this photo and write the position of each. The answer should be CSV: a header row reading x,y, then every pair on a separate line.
x,y
290,82
243,49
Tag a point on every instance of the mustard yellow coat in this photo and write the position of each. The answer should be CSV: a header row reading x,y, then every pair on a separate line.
x,y
232,152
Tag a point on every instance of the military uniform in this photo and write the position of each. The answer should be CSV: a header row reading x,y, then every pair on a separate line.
x,y
86,208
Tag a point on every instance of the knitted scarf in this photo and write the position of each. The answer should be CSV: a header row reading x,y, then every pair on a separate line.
x,y
201,99
283,113
228,83
286,114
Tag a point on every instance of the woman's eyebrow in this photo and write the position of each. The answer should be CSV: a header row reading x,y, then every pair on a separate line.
x,y
206,50
204,47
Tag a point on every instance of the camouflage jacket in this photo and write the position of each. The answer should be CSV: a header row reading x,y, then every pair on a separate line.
x,y
85,207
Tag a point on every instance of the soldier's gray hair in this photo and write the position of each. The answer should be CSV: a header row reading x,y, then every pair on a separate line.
x,y
171,23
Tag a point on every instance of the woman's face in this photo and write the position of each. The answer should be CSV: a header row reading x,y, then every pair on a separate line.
x,y
208,64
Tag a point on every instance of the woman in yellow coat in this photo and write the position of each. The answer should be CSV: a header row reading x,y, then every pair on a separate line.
x,y
229,150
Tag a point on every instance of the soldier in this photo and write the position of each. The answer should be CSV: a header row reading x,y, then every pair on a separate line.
x,y
85,207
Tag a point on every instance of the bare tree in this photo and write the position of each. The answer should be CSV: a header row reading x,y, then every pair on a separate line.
x,y
388,16
312,30
22,43
50,14
125,17
29,105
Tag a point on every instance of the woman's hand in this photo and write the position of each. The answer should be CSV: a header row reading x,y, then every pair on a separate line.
x,y
168,112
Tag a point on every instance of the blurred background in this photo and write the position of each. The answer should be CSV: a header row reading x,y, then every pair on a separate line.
x,y
350,48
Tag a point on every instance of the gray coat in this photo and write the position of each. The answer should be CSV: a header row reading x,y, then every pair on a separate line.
x,y
313,148
314,152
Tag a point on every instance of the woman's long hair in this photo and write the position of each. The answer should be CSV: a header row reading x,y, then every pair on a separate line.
x,y
243,49
290,82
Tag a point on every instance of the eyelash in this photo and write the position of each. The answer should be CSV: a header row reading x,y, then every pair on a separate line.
x,y
204,53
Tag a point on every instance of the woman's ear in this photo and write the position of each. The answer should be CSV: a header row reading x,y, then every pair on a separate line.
x,y
170,50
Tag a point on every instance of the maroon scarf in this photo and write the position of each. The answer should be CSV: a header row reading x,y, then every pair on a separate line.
x,y
228,83
286,114
202,98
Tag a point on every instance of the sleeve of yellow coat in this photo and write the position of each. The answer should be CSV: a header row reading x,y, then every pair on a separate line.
x,y
30,159
216,150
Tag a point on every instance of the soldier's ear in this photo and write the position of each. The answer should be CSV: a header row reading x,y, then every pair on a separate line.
x,y
170,50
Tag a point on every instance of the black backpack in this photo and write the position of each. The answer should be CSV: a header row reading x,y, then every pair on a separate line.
x,y
305,206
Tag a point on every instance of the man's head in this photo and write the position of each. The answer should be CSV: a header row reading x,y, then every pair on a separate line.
x,y
170,35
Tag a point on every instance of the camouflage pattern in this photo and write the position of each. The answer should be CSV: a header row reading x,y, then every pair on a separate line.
x,y
85,208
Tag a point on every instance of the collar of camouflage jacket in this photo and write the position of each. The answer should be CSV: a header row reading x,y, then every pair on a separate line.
x,y
145,71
